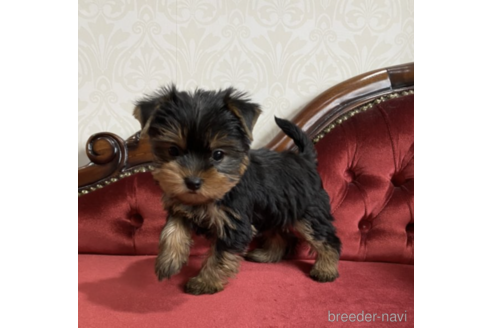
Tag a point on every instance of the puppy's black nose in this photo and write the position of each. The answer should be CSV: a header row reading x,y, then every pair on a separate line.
x,y
193,183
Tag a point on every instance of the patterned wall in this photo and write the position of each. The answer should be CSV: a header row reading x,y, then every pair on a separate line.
x,y
283,52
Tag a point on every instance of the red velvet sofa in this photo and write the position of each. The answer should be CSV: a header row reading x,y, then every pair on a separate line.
x,y
363,130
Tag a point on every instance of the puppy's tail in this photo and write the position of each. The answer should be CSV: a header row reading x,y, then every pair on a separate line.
x,y
305,146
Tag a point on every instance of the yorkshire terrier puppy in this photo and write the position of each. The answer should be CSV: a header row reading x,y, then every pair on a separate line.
x,y
214,184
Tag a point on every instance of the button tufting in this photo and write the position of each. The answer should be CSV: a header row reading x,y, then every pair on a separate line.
x,y
409,228
136,220
349,175
398,179
365,226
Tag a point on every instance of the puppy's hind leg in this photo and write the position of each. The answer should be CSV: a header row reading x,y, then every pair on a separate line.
x,y
272,249
322,239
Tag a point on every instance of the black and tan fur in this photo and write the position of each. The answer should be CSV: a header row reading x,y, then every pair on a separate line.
x,y
215,185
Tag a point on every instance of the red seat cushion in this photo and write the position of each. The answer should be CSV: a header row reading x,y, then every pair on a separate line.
x,y
122,291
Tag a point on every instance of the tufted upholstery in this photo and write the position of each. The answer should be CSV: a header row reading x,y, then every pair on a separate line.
x,y
367,168
124,218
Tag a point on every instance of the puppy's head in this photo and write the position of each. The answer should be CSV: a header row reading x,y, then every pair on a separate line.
x,y
200,140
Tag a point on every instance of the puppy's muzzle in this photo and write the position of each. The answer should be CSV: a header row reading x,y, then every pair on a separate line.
x,y
193,183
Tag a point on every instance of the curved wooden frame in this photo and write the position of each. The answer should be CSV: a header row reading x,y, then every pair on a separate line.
x,y
113,158
341,99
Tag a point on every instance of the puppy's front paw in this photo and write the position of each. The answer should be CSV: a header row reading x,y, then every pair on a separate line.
x,y
197,286
165,267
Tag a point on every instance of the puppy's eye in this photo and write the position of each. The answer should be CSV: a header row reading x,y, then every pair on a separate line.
x,y
173,151
218,155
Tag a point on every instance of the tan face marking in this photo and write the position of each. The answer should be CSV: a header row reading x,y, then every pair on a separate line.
x,y
172,135
215,185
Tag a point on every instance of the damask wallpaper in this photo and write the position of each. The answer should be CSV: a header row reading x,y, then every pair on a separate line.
x,y
282,52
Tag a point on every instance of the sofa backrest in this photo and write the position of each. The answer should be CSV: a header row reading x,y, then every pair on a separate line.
x,y
363,130
366,165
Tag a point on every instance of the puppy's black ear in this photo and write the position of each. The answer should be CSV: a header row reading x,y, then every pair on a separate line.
x,y
246,111
145,108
